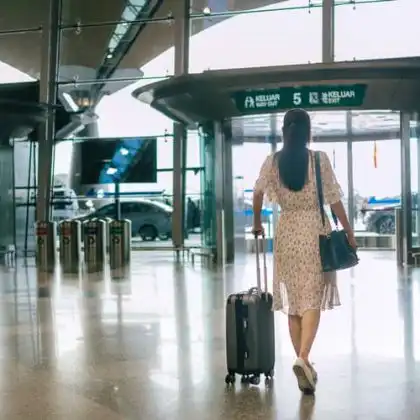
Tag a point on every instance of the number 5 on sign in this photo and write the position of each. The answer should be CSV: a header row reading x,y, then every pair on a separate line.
x,y
297,98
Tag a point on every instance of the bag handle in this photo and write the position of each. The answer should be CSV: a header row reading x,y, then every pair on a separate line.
x,y
257,253
320,192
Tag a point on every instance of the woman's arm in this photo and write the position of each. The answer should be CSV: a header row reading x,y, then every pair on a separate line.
x,y
262,185
340,212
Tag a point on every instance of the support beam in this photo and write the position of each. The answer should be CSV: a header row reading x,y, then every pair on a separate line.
x,y
219,189
328,23
182,36
182,39
228,202
48,95
406,198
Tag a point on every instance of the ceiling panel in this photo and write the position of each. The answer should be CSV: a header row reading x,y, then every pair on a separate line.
x,y
155,38
84,47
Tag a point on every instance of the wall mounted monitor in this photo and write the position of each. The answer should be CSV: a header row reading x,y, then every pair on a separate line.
x,y
123,160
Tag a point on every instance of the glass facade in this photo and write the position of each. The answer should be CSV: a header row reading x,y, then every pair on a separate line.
x,y
371,185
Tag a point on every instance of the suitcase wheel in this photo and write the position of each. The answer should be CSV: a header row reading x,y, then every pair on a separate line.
x,y
269,377
230,378
254,380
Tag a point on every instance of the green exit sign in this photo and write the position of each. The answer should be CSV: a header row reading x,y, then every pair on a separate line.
x,y
281,99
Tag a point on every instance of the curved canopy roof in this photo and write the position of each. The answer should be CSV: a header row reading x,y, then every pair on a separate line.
x,y
369,30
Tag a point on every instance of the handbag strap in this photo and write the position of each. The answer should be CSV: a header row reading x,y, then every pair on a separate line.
x,y
320,192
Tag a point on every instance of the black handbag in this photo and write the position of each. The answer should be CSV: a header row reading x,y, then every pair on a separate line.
x,y
335,249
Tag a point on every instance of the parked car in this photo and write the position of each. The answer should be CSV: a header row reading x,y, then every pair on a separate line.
x,y
149,219
382,219
64,202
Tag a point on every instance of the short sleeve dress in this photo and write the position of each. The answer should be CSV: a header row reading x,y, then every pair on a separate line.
x,y
298,282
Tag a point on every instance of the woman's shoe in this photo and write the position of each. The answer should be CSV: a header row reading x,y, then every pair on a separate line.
x,y
305,376
314,373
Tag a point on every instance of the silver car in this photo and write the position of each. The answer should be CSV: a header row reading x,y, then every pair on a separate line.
x,y
149,219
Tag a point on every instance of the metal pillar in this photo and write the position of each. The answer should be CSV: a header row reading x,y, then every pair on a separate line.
x,y
219,177
415,192
406,188
350,182
48,95
228,200
182,40
178,215
224,219
328,21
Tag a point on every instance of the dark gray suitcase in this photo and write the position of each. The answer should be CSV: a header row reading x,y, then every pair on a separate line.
x,y
250,347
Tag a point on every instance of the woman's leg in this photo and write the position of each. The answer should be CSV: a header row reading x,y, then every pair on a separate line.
x,y
309,326
295,331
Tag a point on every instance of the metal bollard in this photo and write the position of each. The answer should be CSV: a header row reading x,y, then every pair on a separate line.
x,y
107,221
46,245
70,245
94,240
120,243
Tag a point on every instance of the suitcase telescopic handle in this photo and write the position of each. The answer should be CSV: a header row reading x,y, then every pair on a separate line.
x,y
257,253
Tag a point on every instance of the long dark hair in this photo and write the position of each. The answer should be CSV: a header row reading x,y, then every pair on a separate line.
x,y
293,158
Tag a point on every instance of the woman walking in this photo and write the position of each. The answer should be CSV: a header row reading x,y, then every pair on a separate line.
x,y
300,288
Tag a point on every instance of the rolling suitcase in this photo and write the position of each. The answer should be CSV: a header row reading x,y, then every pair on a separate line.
x,y
250,347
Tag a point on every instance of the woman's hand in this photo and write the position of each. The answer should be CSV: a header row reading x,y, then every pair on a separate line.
x,y
257,228
352,240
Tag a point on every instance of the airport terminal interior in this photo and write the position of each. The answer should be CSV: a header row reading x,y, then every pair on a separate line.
x,y
131,139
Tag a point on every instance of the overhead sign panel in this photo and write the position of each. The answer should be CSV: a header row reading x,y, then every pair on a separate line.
x,y
284,98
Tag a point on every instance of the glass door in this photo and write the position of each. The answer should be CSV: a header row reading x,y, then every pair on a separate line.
x,y
377,191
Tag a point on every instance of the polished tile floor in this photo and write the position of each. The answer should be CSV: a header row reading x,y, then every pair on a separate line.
x,y
150,344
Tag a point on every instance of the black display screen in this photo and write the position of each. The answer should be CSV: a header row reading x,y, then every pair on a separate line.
x,y
124,160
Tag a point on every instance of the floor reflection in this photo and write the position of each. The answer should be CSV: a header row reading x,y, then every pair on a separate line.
x,y
148,342
306,407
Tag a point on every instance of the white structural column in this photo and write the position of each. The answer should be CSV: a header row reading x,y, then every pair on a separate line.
x,y
406,199
48,95
328,23
182,39
219,192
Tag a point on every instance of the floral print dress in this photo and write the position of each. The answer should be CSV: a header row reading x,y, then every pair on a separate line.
x,y
299,283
